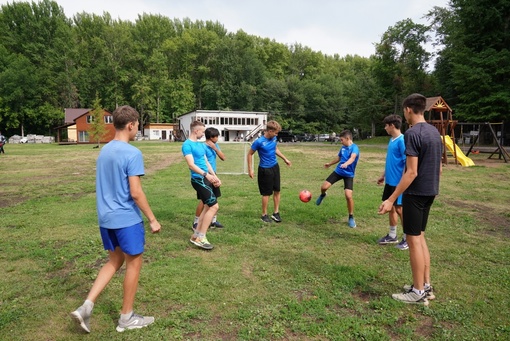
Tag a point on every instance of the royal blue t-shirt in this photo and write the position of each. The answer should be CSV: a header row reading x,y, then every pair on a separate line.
x,y
211,155
267,151
197,150
116,208
395,160
345,154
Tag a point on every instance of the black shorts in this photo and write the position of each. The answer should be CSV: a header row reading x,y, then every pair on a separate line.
x,y
269,180
205,191
415,213
348,182
388,191
216,191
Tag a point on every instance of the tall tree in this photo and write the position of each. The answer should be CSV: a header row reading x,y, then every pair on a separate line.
x,y
97,129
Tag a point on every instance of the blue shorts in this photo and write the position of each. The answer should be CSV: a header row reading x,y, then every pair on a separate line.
x,y
131,240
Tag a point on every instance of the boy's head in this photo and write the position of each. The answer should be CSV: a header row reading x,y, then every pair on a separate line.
x,y
346,137
416,103
273,126
394,120
211,133
197,128
124,115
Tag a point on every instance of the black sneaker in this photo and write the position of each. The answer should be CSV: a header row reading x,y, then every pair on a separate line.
x,y
276,217
265,219
217,225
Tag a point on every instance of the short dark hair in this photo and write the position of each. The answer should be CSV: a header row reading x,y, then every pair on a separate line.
x,y
124,115
396,120
416,102
346,133
211,132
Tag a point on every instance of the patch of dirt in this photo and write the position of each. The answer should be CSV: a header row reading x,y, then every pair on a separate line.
x,y
499,225
163,162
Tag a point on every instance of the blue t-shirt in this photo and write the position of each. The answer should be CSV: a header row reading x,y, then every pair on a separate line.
x,y
116,208
197,150
267,151
211,155
395,160
345,154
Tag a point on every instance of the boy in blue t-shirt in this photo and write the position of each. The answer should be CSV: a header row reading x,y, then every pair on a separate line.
x,y
393,171
268,176
120,198
347,160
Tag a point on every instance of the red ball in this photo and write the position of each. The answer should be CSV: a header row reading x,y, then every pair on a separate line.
x,y
305,195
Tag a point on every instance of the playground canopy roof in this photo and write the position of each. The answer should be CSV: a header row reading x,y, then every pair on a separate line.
x,y
437,104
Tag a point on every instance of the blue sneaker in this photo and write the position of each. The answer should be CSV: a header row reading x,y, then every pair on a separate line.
x,y
319,199
387,240
402,245
352,223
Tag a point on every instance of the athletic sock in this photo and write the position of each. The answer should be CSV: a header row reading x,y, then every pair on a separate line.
x,y
426,286
213,220
393,232
88,304
125,317
419,292
196,220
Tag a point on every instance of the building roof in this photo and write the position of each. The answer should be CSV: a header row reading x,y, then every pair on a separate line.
x,y
436,103
72,114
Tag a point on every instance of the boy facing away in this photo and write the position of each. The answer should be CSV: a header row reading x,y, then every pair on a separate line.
x,y
212,151
268,175
203,181
393,171
120,199
347,160
420,185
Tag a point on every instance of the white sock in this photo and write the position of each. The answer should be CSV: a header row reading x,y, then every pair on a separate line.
x,y
89,305
426,285
419,292
213,220
125,317
196,220
393,232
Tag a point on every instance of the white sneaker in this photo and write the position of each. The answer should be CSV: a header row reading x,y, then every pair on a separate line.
x,y
82,316
135,322
412,298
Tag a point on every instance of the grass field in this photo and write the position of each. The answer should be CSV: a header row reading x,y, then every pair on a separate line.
x,y
308,278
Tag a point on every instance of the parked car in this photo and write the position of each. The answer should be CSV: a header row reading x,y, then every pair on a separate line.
x,y
286,136
23,140
323,137
305,137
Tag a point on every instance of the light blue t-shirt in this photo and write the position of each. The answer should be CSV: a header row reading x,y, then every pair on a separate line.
x,y
211,155
267,151
116,208
345,154
395,160
197,150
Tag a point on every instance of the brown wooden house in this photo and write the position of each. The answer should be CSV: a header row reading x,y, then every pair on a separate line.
x,y
77,126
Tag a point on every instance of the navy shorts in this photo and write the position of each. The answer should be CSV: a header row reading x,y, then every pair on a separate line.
x,y
415,213
131,240
205,191
269,180
348,182
388,191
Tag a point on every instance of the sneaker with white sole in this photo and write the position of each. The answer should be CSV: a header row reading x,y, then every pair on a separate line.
x,y
265,219
202,243
387,240
217,225
276,217
82,316
429,291
135,322
352,223
411,298
402,245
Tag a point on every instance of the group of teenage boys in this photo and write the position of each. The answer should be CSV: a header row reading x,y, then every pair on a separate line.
x,y
411,176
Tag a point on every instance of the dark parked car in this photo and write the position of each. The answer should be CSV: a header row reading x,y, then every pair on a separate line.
x,y
286,136
305,137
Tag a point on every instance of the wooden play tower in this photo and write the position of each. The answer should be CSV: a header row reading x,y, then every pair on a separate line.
x,y
440,116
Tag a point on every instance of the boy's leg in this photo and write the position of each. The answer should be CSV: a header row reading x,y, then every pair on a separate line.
x,y
265,201
350,201
417,259
426,259
276,201
206,217
133,267
115,261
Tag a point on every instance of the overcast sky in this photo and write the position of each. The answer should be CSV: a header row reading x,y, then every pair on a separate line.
x,y
330,26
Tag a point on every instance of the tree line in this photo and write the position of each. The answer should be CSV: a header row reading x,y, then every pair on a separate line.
x,y
166,67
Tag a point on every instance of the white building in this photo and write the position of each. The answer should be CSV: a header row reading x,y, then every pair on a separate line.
x,y
233,125
159,131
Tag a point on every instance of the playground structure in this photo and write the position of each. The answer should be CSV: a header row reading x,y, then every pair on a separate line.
x,y
440,116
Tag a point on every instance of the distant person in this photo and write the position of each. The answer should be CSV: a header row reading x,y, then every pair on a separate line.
x,y
120,198
393,171
347,160
212,151
203,179
268,173
3,140
420,185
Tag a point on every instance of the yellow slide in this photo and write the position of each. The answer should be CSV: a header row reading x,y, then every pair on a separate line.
x,y
463,159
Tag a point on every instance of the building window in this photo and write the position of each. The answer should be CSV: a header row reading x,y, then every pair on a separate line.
x,y
83,136
90,118
230,120
156,132
108,119
235,121
222,120
243,120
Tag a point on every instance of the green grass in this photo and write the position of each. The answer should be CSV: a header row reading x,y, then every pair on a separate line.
x,y
308,278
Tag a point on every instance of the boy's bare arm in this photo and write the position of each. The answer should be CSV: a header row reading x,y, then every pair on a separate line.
x,y
138,195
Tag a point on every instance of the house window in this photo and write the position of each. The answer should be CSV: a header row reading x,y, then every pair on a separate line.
x,y
156,132
235,121
108,119
230,120
90,118
83,136
222,120
243,120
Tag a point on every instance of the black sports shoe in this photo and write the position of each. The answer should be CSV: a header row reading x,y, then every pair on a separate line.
x,y
276,217
265,219
217,225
